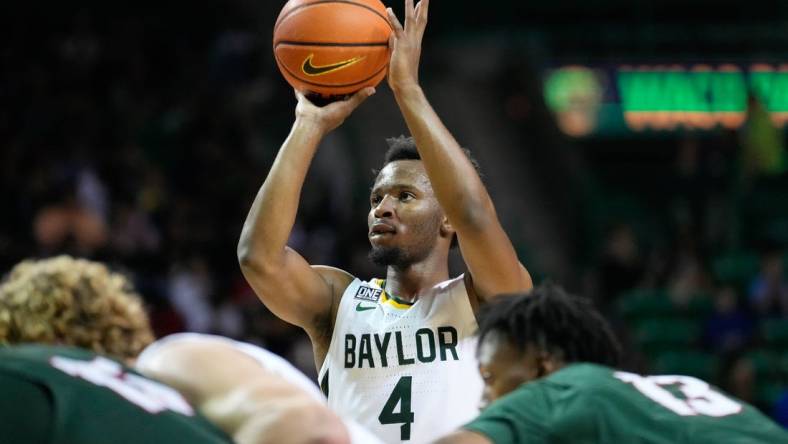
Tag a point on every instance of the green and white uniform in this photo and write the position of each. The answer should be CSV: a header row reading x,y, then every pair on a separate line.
x,y
587,403
61,395
406,372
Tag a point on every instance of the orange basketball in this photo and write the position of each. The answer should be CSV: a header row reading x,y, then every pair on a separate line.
x,y
332,48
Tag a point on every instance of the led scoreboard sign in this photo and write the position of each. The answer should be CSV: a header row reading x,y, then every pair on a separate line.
x,y
665,97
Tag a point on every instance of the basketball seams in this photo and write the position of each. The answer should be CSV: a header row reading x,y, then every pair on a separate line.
x,y
322,2
345,45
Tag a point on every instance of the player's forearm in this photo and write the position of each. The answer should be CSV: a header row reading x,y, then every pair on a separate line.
x,y
454,179
272,215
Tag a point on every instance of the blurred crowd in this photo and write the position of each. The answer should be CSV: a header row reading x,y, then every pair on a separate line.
x,y
692,263
128,142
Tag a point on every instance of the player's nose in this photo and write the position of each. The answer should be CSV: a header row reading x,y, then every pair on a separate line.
x,y
384,208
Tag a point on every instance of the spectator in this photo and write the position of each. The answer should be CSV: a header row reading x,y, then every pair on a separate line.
x,y
729,328
769,290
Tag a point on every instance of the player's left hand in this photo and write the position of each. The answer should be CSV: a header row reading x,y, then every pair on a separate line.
x,y
405,45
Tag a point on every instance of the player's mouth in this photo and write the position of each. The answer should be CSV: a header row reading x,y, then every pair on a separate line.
x,y
381,230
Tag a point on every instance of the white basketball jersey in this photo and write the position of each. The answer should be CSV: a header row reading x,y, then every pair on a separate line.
x,y
271,362
407,373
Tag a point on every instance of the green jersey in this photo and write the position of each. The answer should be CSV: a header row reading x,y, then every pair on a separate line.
x,y
67,395
584,403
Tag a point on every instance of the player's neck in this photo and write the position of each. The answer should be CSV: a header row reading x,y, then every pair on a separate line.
x,y
407,283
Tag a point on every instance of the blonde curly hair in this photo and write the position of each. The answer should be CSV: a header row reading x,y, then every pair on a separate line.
x,y
75,302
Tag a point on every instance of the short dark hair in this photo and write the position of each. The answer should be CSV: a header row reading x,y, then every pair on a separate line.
x,y
554,321
404,148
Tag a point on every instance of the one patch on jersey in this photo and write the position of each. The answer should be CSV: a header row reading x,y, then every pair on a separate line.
x,y
368,293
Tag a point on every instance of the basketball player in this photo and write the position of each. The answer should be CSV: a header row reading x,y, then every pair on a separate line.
x,y
72,395
548,360
76,395
396,354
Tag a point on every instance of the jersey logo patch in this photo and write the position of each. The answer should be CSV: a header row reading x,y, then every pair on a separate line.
x,y
368,293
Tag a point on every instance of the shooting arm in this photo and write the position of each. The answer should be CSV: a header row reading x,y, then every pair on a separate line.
x,y
282,279
486,249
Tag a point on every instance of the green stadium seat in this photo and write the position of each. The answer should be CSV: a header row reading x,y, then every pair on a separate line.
x,y
735,268
699,306
644,303
658,335
775,332
692,363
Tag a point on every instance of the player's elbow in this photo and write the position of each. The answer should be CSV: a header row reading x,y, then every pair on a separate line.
x,y
330,429
253,261
245,256
319,425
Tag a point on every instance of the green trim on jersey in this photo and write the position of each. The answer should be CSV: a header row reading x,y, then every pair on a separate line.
x,y
585,403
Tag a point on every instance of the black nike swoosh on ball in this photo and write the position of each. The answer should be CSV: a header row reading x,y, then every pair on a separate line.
x,y
311,70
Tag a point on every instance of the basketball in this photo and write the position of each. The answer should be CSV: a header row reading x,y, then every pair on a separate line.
x,y
332,48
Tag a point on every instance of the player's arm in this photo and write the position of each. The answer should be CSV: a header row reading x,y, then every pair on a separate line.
x,y
486,249
283,280
240,396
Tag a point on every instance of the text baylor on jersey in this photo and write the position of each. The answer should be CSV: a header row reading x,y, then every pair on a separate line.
x,y
358,351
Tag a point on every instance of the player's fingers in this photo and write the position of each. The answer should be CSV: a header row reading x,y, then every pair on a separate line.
x,y
394,22
409,11
424,9
300,96
356,99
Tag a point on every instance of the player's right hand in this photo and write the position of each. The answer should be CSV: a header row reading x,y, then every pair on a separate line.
x,y
329,117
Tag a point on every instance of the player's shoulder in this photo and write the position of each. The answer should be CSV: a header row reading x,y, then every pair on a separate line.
x,y
582,376
583,380
337,278
585,370
567,391
35,353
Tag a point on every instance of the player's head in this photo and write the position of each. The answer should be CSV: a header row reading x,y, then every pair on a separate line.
x,y
406,223
523,337
67,301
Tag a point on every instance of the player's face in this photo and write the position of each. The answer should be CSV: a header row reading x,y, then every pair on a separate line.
x,y
504,368
405,218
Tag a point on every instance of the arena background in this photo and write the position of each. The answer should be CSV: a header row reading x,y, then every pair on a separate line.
x,y
635,152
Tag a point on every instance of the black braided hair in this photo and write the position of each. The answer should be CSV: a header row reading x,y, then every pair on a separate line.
x,y
554,321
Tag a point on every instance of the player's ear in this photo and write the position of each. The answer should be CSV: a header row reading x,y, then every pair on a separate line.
x,y
544,363
548,363
446,229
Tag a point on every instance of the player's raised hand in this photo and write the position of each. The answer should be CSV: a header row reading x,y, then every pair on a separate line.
x,y
328,117
405,43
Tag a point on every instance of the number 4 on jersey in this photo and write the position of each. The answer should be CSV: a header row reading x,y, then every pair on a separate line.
x,y
400,395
